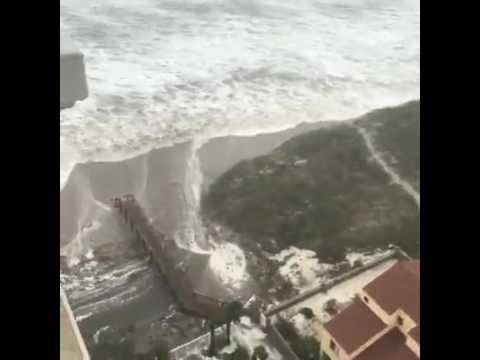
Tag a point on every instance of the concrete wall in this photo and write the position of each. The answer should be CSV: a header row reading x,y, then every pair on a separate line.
x,y
73,82
72,346
73,87
331,283
338,354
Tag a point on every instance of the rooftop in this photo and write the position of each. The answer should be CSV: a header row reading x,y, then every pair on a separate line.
x,y
354,326
72,346
415,333
390,346
398,288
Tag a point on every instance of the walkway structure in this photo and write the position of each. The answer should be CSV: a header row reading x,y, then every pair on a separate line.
x,y
167,258
73,87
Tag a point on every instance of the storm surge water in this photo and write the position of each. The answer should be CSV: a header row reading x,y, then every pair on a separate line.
x,y
105,273
163,71
192,232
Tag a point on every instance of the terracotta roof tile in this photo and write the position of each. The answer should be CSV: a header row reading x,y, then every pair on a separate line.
x,y
353,326
390,346
398,288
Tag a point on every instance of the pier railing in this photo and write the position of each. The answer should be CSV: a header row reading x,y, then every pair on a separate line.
x,y
160,249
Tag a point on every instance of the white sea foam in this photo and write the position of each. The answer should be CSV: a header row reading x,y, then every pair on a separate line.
x,y
301,267
160,71
83,317
230,265
97,334
164,71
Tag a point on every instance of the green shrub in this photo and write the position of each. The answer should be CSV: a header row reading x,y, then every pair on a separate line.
x,y
358,263
307,312
339,200
307,348
260,353
331,305
240,353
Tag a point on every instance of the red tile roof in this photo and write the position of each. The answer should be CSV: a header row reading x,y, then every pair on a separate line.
x,y
398,288
354,326
390,346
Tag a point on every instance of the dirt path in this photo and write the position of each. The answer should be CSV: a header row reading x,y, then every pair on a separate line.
x,y
391,172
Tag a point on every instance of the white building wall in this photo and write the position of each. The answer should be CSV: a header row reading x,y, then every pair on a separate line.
x,y
413,345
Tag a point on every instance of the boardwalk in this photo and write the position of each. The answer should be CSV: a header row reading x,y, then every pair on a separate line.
x,y
168,259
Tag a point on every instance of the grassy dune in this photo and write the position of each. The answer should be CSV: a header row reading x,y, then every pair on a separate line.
x,y
322,191
396,134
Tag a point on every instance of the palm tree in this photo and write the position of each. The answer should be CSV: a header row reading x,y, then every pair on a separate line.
x,y
211,348
233,311
259,353
230,312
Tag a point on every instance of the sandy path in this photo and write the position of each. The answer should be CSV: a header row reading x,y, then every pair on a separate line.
x,y
393,175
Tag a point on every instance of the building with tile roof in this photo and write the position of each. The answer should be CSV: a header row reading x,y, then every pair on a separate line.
x,y
383,322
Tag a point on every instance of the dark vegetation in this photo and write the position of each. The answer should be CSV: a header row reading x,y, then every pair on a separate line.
x,y
307,312
322,191
397,134
231,313
259,353
240,353
331,306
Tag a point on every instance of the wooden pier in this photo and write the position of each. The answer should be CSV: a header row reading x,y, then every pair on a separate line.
x,y
164,255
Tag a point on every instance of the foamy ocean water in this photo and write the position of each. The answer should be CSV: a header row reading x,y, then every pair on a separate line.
x,y
161,71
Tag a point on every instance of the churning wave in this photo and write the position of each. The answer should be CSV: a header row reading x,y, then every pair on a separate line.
x,y
163,71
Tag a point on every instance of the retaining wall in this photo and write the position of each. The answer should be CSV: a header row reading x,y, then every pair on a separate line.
x,y
393,254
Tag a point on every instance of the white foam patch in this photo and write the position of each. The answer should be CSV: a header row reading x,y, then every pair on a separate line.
x,y
229,264
353,257
80,248
302,325
97,334
248,335
83,317
301,267
192,233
